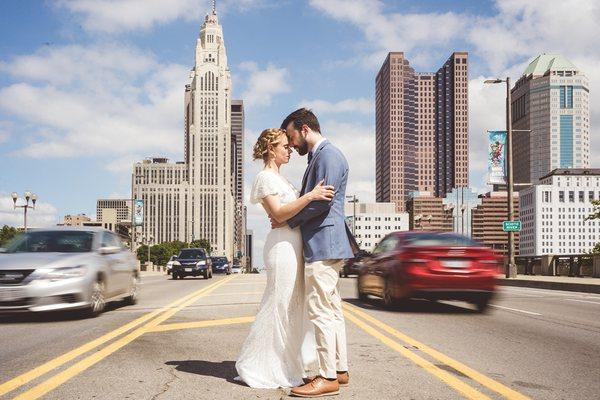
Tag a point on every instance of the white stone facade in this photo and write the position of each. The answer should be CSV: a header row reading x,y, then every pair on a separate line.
x,y
374,221
553,213
193,199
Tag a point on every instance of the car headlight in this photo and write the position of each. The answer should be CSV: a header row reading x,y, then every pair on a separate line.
x,y
225,265
199,263
55,274
176,263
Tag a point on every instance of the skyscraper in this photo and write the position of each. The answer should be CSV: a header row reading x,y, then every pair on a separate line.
x,y
194,199
237,169
421,128
552,100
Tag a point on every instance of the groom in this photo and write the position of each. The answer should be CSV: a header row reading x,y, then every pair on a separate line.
x,y
327,243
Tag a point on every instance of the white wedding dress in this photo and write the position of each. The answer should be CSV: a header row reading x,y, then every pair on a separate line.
x,y
281,342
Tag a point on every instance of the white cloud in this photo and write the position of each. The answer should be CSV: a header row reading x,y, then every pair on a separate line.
x,y
45,214
116,16
361,105
261,85
3,137
102,101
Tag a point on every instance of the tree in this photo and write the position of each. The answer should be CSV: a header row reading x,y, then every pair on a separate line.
x,y
595,215
203,244
6,234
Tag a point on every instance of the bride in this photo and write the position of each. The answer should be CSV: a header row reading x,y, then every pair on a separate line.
x,y
280,347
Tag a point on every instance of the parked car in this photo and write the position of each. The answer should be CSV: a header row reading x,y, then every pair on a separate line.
x,y
221,265
66,269
429,265
352,265
192,262
170,264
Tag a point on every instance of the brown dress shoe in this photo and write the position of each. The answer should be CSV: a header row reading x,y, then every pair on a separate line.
x,y
343,378
318,387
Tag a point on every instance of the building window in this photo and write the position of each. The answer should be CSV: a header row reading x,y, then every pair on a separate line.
x,y
581,196
561,196
571,196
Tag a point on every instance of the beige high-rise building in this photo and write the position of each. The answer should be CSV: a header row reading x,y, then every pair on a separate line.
x,y
194,199
428,213
421,128
237,170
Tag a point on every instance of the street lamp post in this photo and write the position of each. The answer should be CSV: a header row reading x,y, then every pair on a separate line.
x,y
354,200
133,226
26,206
511,269
462,219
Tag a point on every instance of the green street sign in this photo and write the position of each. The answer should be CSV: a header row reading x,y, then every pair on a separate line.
x,y
511,226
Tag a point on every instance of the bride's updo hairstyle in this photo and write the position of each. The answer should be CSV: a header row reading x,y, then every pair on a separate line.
x,y
268,137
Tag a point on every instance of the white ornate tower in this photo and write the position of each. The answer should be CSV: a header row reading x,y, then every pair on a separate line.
x,y
210,204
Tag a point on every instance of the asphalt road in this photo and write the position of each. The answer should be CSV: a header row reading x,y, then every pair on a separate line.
x,y
182,338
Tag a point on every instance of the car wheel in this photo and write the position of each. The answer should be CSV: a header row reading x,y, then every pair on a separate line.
x,y
205,274
97,301
482,304
132,297
388,297
362,296
174,276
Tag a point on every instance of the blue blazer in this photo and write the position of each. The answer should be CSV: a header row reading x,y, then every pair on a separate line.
x,y
322,223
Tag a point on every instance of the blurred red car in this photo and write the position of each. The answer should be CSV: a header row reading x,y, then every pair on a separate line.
x,y
429,265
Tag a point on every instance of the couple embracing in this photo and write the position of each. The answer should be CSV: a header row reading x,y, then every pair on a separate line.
x,y
300,326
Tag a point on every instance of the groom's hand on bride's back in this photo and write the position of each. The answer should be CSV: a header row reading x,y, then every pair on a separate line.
x,y
275,224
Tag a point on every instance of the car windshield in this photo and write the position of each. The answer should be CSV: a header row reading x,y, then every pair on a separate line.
x,y
219,260
52,242
191,254
440,240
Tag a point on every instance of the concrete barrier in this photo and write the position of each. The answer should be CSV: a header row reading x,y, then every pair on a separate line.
x,y
596,266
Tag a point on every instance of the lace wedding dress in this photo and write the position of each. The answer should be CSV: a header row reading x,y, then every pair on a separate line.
x,y
280,345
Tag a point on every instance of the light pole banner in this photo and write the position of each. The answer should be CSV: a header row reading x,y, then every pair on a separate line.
x,y
138,212
497,157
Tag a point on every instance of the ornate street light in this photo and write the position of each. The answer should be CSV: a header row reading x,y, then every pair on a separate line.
x,y
26,206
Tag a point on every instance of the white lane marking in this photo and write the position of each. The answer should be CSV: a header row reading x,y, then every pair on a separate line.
x,y
553,292
515,309
584,301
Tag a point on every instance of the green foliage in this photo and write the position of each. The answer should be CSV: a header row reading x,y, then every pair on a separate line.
x,y
161,253
6,234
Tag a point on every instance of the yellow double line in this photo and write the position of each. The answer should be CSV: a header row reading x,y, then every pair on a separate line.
x,y
367,323
155,318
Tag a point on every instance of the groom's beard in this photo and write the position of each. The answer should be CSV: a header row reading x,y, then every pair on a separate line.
x,y
303,148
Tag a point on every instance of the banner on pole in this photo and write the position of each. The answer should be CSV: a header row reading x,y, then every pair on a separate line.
x,y
497,157
138,212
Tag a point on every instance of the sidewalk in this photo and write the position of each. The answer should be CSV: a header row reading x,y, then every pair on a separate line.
x,y
566,283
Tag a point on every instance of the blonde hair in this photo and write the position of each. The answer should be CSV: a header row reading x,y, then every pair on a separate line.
x,y
270,136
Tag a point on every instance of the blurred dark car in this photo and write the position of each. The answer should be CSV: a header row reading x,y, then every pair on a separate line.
x,y
221,265
192,262
352,265
429,265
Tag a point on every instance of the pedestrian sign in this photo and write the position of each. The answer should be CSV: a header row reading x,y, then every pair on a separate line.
x,y
511,226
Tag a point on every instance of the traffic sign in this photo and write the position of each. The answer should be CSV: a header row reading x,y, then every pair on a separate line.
x,y
511,226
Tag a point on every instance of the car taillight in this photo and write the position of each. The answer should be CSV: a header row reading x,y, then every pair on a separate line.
x,y
419,261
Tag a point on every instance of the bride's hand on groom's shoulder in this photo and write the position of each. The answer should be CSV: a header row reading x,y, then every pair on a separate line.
x,y
322,192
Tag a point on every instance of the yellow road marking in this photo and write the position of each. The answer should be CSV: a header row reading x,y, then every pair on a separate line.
x,y
471,373
77,368
466,390
201,324
235,294
26,377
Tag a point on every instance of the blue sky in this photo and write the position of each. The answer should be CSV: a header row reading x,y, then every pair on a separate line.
x,y
87,88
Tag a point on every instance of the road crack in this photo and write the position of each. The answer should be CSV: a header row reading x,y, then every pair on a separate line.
x,y
167,385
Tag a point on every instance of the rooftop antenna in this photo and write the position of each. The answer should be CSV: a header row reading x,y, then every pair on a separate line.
x,y
214,8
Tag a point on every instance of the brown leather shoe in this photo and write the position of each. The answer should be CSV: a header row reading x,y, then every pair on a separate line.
x,y
318,387
343,378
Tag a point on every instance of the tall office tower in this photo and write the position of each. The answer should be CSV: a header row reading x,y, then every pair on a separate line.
x,y
194,199
421,129
551,99
237,169
396,131
426,138
452,124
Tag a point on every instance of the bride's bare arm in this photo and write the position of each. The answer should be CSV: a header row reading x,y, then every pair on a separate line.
x,y
282,213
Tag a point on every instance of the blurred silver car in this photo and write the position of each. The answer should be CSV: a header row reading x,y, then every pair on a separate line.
x,y
66,268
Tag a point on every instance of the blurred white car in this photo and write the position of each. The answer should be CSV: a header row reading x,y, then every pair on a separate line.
x,y
236,269
66,269
170,264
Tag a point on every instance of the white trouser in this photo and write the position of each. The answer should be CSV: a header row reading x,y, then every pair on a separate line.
x,y
325,312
